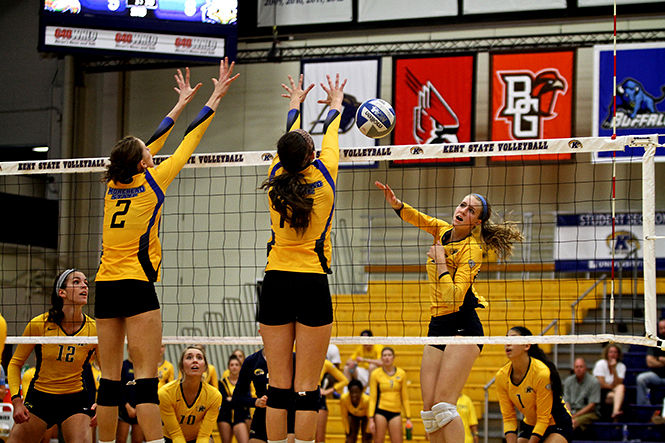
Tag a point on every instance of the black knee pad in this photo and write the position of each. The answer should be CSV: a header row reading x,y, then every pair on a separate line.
x,y
109,392
308,400
279,398
146,390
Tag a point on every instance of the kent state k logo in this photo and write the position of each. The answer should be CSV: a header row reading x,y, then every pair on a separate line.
x,y
529,99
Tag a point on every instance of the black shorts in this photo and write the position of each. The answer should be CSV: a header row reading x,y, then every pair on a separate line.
x,y
358,423
124,416
323,404
231,415
56,408
563,429
387,414
258,428
464,322
168,440
124,298
288,297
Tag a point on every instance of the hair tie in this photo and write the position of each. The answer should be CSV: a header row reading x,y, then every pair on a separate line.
x,y
484,202
62,278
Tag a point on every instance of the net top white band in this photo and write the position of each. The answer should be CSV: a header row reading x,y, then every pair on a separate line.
x,y
351,155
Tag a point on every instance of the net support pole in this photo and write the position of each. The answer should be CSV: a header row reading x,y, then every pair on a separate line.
x,y
649,232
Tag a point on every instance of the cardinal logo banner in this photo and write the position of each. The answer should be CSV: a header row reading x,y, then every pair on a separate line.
x,y
532,97
433,102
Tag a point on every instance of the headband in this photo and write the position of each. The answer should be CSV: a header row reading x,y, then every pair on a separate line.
x,y
484,202
62,278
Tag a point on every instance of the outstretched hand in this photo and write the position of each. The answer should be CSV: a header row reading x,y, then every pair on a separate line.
x,y
222,83
295,93
184,88
335,93
390,195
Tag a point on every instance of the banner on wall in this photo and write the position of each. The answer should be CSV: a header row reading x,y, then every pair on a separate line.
x,y
363,84
493,6
585,3
283,12
583,242
373,10
640,95
434,102
532,97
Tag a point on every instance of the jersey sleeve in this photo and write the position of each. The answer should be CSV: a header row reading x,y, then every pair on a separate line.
x,y
209,421
330,145
18,360
170,424
544,399
373,392
473,418
420,220
292,120
339,376
214,379
156,142
467,265
3,333
344,413
405,397
507,408
242,395
166,171
170,374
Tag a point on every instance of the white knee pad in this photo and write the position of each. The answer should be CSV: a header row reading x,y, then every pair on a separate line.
x,y
444,413
429,421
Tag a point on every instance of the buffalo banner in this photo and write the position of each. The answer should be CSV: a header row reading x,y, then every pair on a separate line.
x,y
434,102
640,95
532,97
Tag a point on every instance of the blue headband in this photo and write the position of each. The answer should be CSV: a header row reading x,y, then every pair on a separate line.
x,y
484,202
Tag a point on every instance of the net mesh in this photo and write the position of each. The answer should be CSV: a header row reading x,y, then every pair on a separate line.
x,y
215,227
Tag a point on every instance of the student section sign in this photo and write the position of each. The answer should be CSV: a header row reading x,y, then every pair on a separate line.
x,y
583,242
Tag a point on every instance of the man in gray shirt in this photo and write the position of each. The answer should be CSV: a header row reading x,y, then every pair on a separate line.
x,y
581,392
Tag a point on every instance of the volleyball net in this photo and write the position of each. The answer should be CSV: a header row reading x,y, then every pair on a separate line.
x,y
575,278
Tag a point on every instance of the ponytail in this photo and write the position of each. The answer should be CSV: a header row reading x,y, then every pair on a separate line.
x,y
536,352
499,237
288,191
124,161
55,314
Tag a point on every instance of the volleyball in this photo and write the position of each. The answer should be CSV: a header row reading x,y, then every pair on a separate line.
x,y
375,118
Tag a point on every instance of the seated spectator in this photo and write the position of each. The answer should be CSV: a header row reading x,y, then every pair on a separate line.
x,y
363,361
610,372
581,392
467,411
332,355
656,375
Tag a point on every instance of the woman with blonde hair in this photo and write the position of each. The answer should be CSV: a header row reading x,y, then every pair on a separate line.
x,y
610,372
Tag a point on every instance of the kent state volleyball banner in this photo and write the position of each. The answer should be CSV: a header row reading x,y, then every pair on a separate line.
x,y
532,97
640,95
363,84
433,101
583,242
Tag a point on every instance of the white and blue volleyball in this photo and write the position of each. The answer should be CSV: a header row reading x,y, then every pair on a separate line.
x,y
375,118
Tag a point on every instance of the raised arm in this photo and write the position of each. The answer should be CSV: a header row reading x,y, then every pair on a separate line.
x,y
296,95
222,83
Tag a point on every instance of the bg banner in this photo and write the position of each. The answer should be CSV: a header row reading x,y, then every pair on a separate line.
x,y
434,102
640,95
491,6
532,97
283,12
373,10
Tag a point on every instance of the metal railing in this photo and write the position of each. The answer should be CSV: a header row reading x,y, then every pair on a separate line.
x,y
553,324
573,307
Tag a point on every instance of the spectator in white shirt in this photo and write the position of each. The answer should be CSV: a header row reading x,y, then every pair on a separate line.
x,y
610,372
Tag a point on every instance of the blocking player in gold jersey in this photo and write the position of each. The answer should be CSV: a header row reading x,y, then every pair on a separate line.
x,y
531,383
165,370
126,304
453,262
62,390
188,406
328,372
295,306
388,395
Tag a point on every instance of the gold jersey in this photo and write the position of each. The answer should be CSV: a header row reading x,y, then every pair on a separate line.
x,y
165,373
463,258
182,422
388,392
308,251
467,412
532,396
346,408
329,368
132,212
59,367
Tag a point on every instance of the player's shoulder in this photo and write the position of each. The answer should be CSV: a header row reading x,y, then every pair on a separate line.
x,y
504,372
210,391
539,368
39,324
169,388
